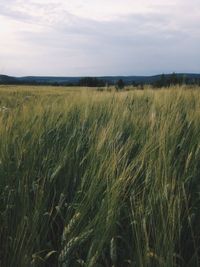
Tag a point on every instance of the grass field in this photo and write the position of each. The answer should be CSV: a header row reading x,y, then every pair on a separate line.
x,y
99,179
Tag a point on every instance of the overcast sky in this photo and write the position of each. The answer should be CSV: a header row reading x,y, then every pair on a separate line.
x,y
99,37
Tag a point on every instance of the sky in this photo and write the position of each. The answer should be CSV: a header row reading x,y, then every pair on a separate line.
x,y
99,37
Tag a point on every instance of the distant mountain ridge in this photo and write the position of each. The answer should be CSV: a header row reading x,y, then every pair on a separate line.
x,y
51,80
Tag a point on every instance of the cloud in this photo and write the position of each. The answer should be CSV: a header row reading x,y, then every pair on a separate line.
x,y
99,37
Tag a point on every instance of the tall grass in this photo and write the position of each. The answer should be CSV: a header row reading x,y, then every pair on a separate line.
x,y
99,179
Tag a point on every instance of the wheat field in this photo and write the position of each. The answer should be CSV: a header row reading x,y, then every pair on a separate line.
x,y
99,179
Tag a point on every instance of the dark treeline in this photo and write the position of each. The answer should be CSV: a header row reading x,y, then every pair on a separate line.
x,y
36,83
174,79
91,82
164,80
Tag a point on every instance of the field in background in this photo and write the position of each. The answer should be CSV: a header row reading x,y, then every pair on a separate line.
x,y
99,179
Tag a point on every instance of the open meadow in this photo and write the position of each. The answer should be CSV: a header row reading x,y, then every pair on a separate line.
x,y
99,179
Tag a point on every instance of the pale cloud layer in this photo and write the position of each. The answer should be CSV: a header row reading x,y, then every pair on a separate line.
x,y
99,37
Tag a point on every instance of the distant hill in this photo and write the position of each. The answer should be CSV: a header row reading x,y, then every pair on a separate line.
x,y
4,79
48,80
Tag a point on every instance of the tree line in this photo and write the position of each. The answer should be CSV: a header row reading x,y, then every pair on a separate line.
x,y
164,80
174,79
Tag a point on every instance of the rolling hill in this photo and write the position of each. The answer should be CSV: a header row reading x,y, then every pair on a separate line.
x,y
50,80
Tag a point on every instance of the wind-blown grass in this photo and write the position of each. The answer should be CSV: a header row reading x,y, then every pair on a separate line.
x,y
99,179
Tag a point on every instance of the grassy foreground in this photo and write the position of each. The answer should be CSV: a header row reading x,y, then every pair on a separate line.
x,y
99,179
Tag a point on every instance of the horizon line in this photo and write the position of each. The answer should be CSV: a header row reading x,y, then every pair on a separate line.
x,y
100,76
